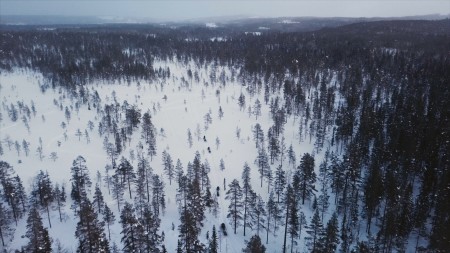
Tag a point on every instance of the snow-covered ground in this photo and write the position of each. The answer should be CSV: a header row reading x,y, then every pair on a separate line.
x,y
184,108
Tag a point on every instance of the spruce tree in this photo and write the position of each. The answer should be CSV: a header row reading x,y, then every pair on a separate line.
x,y
213,243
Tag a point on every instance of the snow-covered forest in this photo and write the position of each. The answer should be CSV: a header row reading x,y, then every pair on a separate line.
x,y
150,138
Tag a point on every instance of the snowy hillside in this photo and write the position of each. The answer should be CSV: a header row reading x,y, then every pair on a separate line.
x,y
183,110
141,139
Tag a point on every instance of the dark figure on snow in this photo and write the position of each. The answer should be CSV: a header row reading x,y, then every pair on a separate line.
x,y
204,138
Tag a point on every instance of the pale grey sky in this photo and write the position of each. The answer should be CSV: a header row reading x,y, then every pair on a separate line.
x,y
187,9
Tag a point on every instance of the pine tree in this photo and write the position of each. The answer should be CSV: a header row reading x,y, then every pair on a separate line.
x,y
179,246
189,231
144,177
80,179
108,218
220,112
204,178
270,206
373,191
189,138
301,223
254,245
293,221
241,101
258,136
158,200
215,208
6,229
19,193
259,214
126,173
117,190
149,134
307,176
150,239
235,195
405,219
130,227
273,145
98,199
315,230
59,199
330,240
25,147
40,241
89,231
279,182
179,170
196,203
11,189
291,156
168,166
263,164
182,193
222,165
289,201
248,200
274,213
43,192
257,108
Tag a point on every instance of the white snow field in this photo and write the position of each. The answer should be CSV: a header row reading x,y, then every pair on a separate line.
x,y
184,108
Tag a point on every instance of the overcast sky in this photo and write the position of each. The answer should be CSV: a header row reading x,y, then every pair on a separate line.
x,y
187,9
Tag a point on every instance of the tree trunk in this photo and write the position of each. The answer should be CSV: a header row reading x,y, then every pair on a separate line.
x,y
3,242
285,227
235,215
109,233
59,211
48,216
245,212
268,223
129,187
292,243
